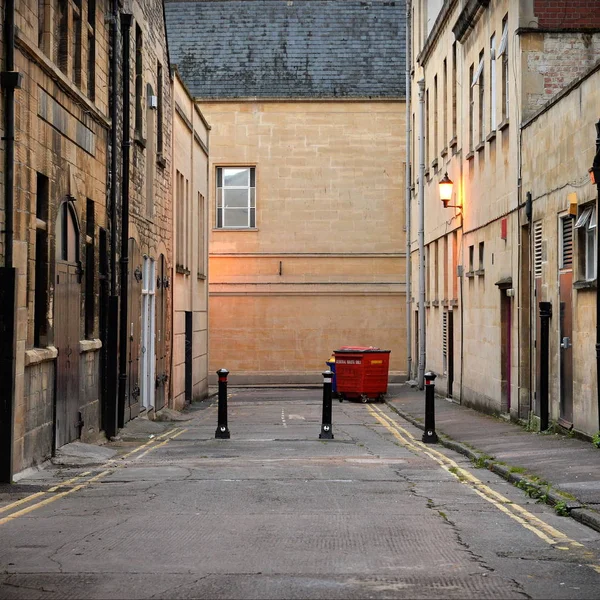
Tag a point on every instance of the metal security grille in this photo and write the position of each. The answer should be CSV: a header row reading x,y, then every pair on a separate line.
x,y
445,341
537,249
566,243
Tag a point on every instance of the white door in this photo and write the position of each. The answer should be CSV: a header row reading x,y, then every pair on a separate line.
x,y
148,333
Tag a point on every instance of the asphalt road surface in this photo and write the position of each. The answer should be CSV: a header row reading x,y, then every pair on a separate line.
x,y
274,512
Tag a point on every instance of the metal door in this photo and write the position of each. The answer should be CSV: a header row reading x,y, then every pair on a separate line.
x,y
161,346
565,275
67,310
134,318
148,348
505,350
450,335
189,320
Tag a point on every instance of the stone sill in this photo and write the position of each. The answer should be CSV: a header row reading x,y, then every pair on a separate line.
x,y
435,303
470,274
35,356
453,142
444,151
427,304
480,272
161,161
221,229
454,302
139,140
434,164
480,146
491,136
182,270
201,276
470,156
583,285
503,124
89,345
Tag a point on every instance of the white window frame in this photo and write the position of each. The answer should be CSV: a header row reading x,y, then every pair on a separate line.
x,y
493,82
587,222
221,198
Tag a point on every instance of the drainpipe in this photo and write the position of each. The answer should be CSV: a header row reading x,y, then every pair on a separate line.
x,y
110,337
407,202
596,169
421,234
10,80
9,83
126,22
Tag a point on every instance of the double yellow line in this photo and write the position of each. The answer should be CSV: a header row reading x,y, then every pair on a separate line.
x,y
522,516
84,479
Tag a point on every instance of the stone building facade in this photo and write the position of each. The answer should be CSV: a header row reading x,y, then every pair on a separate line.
x,y
68,171
190,249
306,179
483,69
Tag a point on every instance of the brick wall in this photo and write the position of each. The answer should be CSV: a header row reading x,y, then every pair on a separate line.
x,y
556,62
564,14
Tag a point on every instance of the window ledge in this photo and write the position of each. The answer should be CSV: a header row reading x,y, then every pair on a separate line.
x,y
35,356
503,124
427,174
435,303
182,270
470,155
217,229
454,302
582,284
434,164
139,140
161,161
201,276
453,142
427,303
480,146
444,151
470,274
480,272
445,302
491,136
89,345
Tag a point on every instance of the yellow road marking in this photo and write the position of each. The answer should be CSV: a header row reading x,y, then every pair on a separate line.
x,y
37,505
159,445
38,494
169,435
543,530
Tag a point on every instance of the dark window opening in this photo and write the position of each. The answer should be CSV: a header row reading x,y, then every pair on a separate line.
x,y
138,80
40,321
90,270
159,110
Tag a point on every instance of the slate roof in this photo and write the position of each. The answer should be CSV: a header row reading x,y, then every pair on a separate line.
x,y
289,48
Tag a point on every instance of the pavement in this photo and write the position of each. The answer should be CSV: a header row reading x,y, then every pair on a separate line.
x,y
561,470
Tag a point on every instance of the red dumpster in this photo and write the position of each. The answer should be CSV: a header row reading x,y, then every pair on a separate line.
x,y
362,372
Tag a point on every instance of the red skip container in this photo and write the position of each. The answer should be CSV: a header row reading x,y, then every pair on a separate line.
x,y
361,372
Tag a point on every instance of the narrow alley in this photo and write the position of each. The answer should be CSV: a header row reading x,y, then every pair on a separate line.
x,y
274,512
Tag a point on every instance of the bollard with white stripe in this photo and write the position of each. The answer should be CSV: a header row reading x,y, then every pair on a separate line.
x,y
326,428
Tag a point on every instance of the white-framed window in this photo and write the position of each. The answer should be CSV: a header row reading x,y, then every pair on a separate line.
x,y
503,52
493,83
565,250
236,197
587,240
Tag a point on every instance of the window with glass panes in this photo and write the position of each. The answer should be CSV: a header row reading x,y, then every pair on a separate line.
x,y
236,197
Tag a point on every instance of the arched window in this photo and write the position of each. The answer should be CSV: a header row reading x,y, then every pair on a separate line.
x,y
67,234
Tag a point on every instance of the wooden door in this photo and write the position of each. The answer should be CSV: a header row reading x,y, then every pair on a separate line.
x,y
67,311
134,300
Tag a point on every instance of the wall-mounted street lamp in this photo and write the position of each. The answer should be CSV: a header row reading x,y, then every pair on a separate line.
x,y
446,184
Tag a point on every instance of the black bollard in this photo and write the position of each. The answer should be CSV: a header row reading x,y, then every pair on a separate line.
x,y
429,435
326,428
222,431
